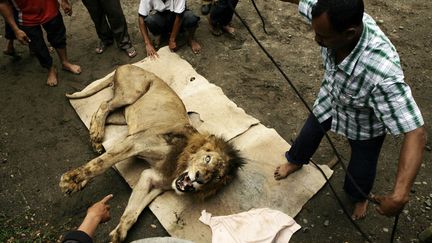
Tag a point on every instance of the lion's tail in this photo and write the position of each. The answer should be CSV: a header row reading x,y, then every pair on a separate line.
x,y
91,89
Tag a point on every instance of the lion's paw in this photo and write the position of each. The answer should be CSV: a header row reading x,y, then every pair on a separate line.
x,y
97,147
117,235
96,131
72,181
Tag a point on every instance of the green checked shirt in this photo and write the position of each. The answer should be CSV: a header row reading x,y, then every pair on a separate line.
x,y
365,94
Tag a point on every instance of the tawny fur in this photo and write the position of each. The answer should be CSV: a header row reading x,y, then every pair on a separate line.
x,y
159,132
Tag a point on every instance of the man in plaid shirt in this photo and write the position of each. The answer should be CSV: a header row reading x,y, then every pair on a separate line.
x,y
362,96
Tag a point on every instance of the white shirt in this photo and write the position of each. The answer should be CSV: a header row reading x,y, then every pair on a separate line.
x,y
176,6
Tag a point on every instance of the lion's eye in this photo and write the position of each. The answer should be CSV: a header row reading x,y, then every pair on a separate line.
x,y
207,159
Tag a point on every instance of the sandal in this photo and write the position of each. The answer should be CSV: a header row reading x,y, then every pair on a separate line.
x,y
101,47
131,52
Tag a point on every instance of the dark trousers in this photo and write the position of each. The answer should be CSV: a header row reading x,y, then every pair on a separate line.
x,y
56,36
109,21
161,23
222,12
9,33
363,162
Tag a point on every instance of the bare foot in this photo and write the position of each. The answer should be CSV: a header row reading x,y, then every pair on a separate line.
x,y
52,77
229,29
284,170
75,69
195,46
360,209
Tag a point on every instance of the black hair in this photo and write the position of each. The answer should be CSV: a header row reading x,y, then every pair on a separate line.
x,y
342,14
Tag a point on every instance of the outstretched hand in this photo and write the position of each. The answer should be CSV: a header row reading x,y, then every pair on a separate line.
x,y
100,210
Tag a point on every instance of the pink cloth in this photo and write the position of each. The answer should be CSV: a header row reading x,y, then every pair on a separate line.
x,y
260,225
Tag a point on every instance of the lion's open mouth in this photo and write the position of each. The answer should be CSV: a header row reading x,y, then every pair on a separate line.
x,y
184,183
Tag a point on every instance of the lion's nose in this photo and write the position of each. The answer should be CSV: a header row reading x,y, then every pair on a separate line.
x,y
198,178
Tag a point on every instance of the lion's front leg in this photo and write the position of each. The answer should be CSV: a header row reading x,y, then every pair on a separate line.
x,y
142,194
74,180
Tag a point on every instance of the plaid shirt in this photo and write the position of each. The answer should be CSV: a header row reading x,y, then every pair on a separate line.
x,y
365,94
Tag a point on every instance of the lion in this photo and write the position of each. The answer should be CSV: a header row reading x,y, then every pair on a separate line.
x,y
159,131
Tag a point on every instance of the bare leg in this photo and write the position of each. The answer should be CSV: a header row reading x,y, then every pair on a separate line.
x,y
10,49
73,68
284,170
360,209
142,195
52,76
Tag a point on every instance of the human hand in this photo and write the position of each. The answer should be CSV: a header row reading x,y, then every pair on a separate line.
x,y
67,8
22,37
390,205
151,51
100,210
172,45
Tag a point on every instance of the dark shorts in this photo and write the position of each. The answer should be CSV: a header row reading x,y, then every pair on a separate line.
x,y
363,162
56,36
161,23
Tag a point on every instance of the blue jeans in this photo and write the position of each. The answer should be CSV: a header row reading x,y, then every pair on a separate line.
x,y
363,162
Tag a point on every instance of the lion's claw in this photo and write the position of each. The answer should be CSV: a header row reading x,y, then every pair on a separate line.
x,y
97,147
116,235
72,181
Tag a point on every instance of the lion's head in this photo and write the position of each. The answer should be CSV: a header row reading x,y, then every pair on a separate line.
x,y
206,164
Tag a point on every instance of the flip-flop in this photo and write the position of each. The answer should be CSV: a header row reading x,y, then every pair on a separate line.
x,y
101,48
131,52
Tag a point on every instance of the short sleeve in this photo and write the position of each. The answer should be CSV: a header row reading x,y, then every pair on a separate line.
x,y
395,106
305,9
144,8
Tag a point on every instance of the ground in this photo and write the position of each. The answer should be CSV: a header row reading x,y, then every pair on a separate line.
x,y
41,137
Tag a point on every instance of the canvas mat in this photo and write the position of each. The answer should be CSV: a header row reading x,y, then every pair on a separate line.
x,y
212,111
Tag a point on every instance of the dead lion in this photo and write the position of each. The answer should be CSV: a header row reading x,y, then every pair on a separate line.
x,y
159,132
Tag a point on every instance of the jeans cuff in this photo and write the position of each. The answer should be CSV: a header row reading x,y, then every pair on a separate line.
x,y
294,161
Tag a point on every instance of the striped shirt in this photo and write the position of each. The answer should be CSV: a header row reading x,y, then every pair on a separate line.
x,y
365,94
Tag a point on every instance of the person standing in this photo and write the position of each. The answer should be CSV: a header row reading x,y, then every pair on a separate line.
x,y
32,17
362,96
110,24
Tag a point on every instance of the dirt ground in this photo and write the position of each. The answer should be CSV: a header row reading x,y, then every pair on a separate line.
x,y
41,137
